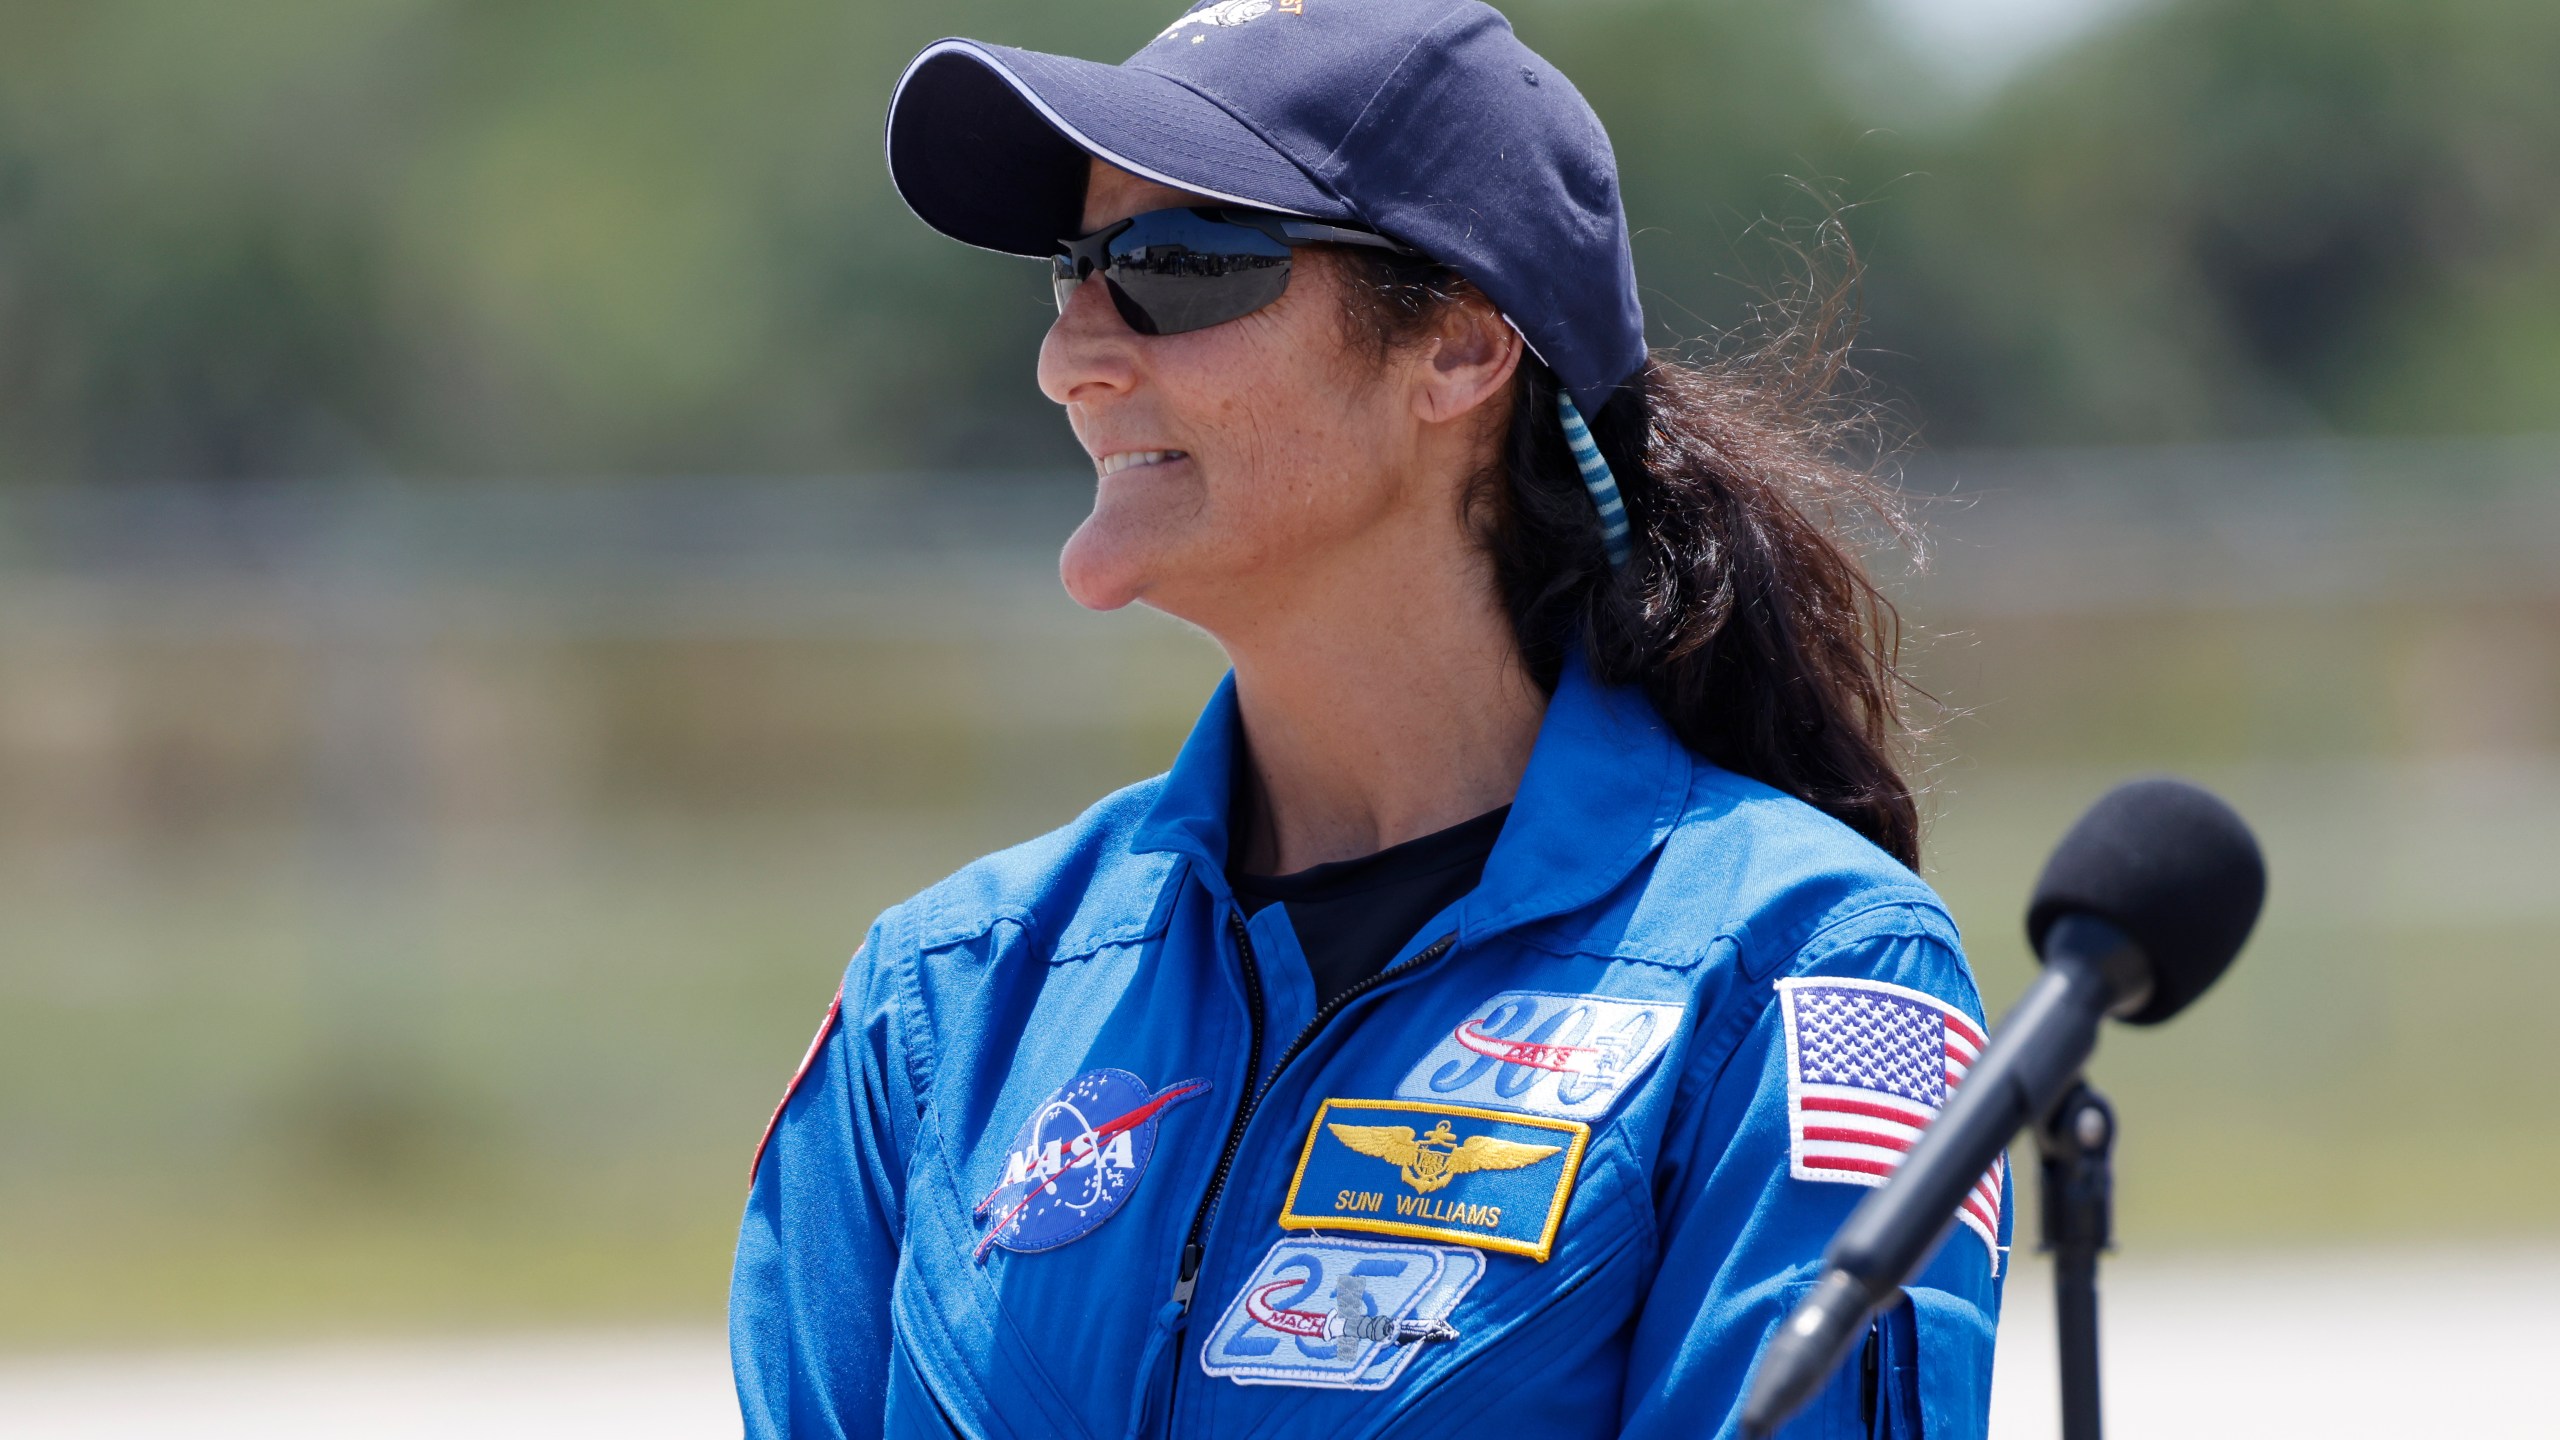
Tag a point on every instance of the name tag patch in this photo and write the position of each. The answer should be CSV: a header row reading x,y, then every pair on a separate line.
x,y
1484,1178
1338,1314
1564,1055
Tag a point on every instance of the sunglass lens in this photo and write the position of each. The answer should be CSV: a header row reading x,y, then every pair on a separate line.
x,y
1063,279
1174,271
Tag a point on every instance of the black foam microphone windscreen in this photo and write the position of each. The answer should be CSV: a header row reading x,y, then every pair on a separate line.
x,y
2173,867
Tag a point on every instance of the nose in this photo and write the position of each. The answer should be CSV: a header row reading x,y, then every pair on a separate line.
x,y
1090,353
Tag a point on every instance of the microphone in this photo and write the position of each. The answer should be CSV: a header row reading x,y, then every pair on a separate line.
x,y
2141,907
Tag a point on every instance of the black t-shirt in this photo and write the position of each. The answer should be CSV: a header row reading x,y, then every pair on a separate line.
x,y
1352,916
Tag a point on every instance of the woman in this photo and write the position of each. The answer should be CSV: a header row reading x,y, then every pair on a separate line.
x,y
1517,976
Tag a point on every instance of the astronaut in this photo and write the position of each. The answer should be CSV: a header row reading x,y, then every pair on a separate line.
x,y
1521,971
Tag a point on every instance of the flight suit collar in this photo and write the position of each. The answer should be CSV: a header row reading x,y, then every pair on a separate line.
x,y
1605,784
1189,817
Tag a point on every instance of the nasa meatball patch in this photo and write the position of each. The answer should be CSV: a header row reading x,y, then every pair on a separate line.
x,y
1077,1160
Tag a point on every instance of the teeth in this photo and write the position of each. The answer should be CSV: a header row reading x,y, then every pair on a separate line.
x,y
1114,464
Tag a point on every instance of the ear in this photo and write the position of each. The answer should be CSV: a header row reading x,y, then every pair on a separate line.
x,y
1468,361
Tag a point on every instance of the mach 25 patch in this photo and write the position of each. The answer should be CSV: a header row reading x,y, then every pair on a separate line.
x,y
1339,1314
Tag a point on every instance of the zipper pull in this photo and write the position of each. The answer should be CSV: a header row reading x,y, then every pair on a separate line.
x,y
1189,1278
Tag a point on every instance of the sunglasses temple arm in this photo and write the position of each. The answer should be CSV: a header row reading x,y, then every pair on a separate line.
x,y
1314,232
1335,235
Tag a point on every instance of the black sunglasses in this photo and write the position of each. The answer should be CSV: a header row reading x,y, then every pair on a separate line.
x,y
1169,271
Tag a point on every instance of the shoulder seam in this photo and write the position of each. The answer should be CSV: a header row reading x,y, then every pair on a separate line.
x,y
981,924
914,1034
1812,946
1785,950
1762,989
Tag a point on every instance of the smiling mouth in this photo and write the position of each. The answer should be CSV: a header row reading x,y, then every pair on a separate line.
x,y
1131,459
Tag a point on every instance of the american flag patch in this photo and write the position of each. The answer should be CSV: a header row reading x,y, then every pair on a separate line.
x,y
1869,1065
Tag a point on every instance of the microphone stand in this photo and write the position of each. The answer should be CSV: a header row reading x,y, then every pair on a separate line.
x,y
2076,1143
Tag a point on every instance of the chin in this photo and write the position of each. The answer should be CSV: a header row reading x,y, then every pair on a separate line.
x,y
1101,569
1152,536
1135,540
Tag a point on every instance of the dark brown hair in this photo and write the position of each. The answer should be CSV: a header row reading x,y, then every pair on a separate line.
x,y
1753,480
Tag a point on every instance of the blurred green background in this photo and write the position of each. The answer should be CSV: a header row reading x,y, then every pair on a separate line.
x,y
514,545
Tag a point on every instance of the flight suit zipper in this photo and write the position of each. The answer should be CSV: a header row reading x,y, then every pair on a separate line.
x,y
1148,1400
1187,1279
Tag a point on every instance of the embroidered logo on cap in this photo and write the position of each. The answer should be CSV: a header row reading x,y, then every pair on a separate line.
x,y
1565,1055
1436,1172
1077,1160
1339,1314
1869,1065
1228,14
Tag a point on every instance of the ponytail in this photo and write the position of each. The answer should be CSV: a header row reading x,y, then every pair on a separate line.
x,y
1744,611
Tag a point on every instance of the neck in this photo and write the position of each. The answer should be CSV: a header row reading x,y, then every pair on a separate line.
x,y
1376,719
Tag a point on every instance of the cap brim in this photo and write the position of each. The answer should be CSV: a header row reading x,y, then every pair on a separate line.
x,y
989,144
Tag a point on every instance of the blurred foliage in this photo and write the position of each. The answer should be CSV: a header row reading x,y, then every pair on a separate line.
x,y
426,237
2250,216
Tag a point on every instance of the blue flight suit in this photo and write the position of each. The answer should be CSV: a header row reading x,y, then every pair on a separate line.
x,y
1557,1170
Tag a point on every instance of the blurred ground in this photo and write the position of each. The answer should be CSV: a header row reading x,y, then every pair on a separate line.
x,y
2340,1344
2344,1344
653,1386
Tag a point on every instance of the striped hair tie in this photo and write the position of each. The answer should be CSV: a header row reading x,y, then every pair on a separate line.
x,y
1596,479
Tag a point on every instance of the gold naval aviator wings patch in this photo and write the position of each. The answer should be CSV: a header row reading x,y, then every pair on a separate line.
x,y
1492,1179
1434,1159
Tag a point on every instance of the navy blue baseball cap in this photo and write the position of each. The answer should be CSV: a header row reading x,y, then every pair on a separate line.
x,y
1424,120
